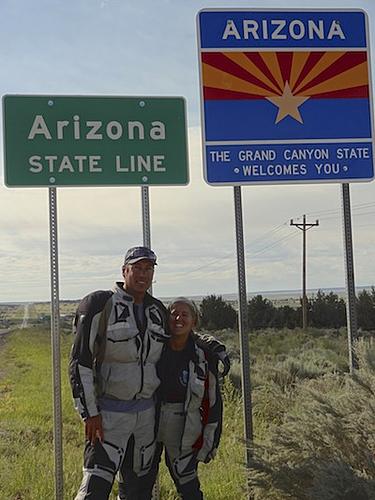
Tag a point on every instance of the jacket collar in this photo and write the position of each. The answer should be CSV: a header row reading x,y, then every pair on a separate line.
x,y
119,289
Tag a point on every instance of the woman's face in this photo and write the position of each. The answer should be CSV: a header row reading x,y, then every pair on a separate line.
x,y
181,320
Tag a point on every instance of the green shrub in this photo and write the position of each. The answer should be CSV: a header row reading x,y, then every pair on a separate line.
x,y
216,313
324,445
326,310
366,309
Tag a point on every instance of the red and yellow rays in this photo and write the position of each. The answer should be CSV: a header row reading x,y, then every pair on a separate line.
x,y
259,75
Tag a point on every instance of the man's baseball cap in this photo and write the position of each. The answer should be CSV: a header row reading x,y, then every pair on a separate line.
x,y
135,254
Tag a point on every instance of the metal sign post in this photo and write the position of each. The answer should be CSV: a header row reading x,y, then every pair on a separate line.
x,y
55,341
146,225
146,220
351,306
243,325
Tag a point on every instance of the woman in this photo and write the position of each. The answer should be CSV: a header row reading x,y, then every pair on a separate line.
x,y
190,415
189,407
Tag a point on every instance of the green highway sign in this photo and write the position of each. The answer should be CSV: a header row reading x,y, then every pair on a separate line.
x,y
94,141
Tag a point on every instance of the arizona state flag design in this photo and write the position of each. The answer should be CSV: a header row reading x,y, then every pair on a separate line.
x,y
285,95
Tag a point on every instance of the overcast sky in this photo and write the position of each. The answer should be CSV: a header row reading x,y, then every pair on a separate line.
x,y
148,47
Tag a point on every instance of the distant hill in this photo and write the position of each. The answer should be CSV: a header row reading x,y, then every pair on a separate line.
x,y
274,295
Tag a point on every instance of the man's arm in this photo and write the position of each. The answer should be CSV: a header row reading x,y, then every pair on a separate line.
x,y
82,357
216,348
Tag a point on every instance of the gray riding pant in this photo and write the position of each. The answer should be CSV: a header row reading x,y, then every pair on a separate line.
x,y
182,460
103,460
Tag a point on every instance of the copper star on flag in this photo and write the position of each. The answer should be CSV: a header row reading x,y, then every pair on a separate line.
x,y
288,104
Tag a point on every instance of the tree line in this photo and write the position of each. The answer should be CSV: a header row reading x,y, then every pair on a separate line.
x,y
324,310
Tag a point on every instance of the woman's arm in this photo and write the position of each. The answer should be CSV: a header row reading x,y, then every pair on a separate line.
x,y
212,413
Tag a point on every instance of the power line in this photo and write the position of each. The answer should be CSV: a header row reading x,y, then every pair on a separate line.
x,y
272,245
358,206
271,231
251,252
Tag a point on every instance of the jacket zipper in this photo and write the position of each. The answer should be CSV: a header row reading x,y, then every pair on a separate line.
x,y
142,332
187,402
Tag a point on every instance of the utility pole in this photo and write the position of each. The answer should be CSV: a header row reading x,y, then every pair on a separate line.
x,y
304,227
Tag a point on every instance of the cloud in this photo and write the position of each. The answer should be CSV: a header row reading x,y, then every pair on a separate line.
x,y
192,231
116,48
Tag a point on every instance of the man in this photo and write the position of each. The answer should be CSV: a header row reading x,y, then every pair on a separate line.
x,y
120,335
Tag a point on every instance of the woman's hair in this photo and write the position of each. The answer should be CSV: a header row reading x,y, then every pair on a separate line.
x,y
192,306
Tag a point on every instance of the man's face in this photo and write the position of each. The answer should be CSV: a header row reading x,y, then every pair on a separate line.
x,y
138,276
